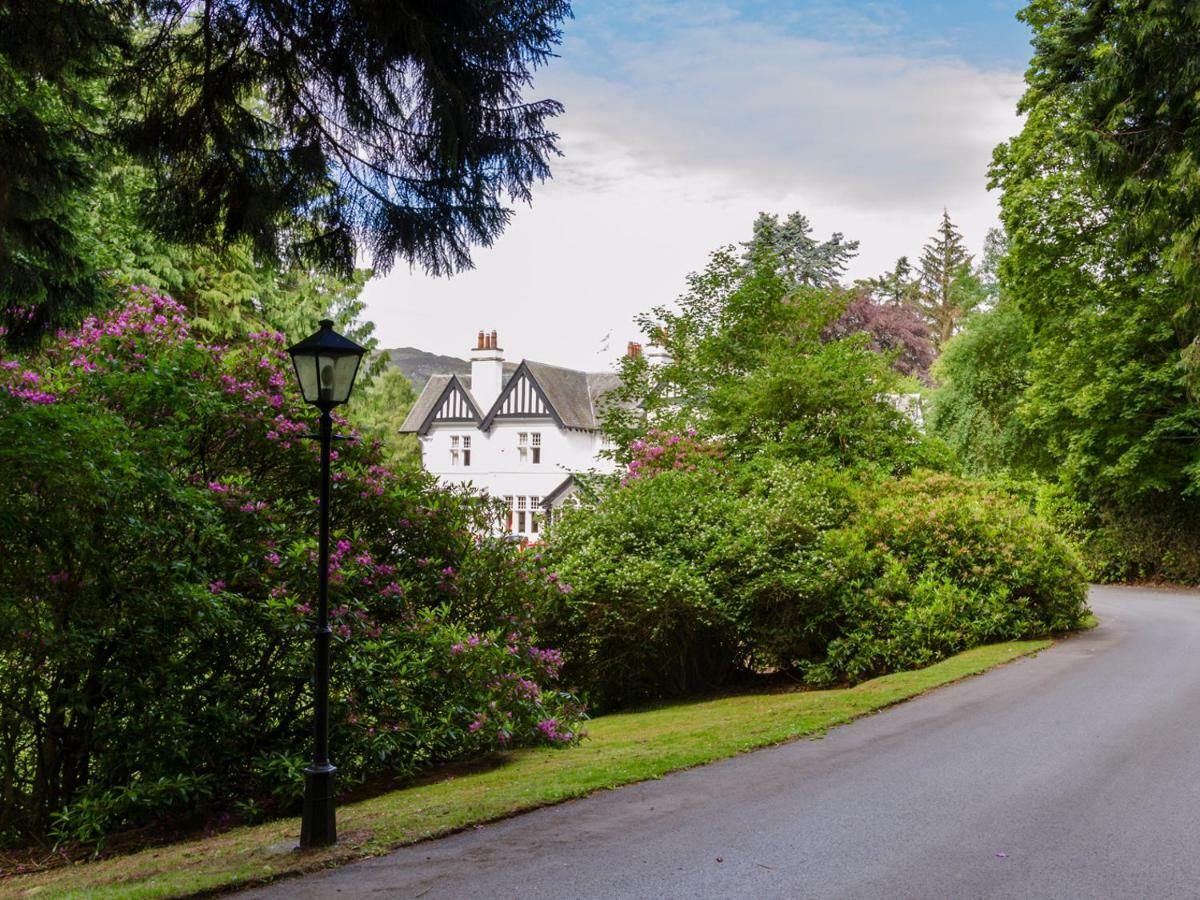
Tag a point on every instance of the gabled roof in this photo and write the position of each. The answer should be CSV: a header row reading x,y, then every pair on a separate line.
x,y
572,398
564,485
435,393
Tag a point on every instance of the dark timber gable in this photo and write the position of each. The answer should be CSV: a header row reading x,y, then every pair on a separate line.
x,y
455,405
521,398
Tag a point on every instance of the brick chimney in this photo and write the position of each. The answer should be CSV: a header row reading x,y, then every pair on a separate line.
x,y
487,370
633,349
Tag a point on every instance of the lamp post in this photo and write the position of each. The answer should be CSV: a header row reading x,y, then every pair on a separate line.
x,y
325,363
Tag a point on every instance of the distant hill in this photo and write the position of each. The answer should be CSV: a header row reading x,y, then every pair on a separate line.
x,y
418,365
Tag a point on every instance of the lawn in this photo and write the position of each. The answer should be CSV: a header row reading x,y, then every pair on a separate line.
x,y
621,749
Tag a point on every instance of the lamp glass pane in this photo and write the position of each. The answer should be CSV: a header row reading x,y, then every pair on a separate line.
x,y
306,374
336,374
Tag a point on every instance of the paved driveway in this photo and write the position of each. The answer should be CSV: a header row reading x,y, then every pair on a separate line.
x,y
1072,774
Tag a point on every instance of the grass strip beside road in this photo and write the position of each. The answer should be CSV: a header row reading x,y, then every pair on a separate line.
x,y
622,749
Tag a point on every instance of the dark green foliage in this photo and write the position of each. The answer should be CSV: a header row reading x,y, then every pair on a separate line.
x,y
51,58
932,565
158,523
1099,269
300,129
1129,71
686,580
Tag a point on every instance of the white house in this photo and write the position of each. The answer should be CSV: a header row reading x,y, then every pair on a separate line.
x,y
518,430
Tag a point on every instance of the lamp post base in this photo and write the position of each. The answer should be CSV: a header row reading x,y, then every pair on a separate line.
x,y
318,828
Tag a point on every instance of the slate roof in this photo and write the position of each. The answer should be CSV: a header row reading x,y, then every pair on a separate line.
x,y
426,400
574,395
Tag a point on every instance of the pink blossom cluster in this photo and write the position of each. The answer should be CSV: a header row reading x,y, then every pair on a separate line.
x,y
662,451
555,732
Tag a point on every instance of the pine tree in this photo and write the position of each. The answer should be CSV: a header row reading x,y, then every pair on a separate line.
x,y
949,289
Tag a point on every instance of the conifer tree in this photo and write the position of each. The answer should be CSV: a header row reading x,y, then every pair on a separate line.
x,y
949,290
899,287
309,130
802,260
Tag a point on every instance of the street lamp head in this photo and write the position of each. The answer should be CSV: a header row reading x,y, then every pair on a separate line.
x,y
326,363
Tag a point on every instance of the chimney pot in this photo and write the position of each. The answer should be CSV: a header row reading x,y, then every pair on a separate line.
x,y
634,349
479,341
493,341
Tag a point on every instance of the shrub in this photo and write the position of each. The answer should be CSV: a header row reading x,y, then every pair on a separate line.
x,y
640,618
1153,540
932,565
681,580
158,527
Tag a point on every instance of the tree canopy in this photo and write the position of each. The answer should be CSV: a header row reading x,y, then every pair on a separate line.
x,y
305,129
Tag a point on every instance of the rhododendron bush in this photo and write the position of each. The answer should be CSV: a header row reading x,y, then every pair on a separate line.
x,y
158,527
695,571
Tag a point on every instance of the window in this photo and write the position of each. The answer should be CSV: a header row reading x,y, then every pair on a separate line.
x,y
520,515
466,443
508,507
536,447
454,449
534,506
523,446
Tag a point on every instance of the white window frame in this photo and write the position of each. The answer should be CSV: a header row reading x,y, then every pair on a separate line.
x,y
535,447
454,451
466,450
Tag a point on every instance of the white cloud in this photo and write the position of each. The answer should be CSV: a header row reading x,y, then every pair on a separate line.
x,y
673,149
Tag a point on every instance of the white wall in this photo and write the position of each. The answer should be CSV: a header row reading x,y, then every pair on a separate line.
x,y
495,463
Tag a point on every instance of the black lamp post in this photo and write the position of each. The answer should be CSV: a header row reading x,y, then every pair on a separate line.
x,y
326,363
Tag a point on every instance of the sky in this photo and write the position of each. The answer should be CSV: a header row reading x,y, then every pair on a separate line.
x,y
686,118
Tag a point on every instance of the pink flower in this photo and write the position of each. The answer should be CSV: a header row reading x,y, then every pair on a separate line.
x,y
217,586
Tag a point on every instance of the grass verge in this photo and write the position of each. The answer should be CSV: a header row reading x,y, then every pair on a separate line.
x,y
623,748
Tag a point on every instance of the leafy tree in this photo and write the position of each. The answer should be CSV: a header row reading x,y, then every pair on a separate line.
x,y
803,261
893,329
753,360
1129,71
1107,395
949,290
982,375
1110,321
381,410
300,127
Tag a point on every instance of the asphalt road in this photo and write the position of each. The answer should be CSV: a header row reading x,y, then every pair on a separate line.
x,y
1073,774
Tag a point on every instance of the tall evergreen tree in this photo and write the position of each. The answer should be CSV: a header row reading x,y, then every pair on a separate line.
x,y
949,289
803,261
899,287
306,128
